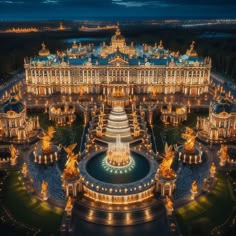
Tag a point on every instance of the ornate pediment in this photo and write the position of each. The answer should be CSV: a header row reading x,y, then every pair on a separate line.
x,y
118,61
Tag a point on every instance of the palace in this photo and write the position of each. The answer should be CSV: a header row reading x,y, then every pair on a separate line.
x,y
117,68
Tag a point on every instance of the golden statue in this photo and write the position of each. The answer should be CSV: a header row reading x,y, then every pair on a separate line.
x,y
24,170
194,187
69,204
213,167
71,170
44,187
190,140
46,140
13,151
165,167
169,203
224,152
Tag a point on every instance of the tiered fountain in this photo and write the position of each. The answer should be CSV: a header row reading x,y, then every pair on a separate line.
x,y
118,123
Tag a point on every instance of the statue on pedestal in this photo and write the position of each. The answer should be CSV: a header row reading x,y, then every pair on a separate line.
x,y
165,167
212,170
13,153
24,170
46,140
71,170
169,205
190,140
223,154
194,189
44,190
69,206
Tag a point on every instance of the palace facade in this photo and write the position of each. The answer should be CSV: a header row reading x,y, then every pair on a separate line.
x,y
117,68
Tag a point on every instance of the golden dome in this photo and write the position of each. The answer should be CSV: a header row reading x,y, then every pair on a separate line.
x,y
118,36
44,52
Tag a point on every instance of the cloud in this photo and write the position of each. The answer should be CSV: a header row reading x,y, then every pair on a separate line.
x,y
11,2
143,3
173,3
50,2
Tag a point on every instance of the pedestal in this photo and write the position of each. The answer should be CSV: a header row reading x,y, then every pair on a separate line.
x,y
193,194
169,211
45,196
212,174
68,211
13,161
222,162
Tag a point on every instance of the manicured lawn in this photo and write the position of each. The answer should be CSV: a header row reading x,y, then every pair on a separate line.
x,y
29,210
172,134
64,135
201,216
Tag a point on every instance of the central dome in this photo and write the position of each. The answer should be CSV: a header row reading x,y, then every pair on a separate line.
x,y
118,35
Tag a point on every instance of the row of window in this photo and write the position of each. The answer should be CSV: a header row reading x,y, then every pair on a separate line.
x,y
159,72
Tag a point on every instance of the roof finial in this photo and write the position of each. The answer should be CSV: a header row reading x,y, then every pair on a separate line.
x,y
43,45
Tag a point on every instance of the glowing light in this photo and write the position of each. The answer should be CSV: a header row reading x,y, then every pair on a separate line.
x,y
118,169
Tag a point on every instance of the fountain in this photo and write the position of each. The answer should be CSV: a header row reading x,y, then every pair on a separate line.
x,y
118,158
188,152
118,153
118,123
46,152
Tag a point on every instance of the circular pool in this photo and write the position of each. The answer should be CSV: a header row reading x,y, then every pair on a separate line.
x,y
99,169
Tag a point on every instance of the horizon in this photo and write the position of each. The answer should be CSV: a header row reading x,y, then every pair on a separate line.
x,y
115,9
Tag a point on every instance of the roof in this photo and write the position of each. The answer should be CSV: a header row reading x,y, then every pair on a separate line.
x,y
222,105
154,56
12,105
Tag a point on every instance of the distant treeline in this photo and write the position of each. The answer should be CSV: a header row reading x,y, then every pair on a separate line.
x,y
222,50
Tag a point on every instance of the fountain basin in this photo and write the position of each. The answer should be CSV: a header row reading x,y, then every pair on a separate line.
x,y
112,188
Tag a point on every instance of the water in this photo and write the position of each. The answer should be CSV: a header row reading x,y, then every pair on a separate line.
x,y
80,40
95,169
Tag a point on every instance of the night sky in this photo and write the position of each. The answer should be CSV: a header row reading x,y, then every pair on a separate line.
x,y
89,9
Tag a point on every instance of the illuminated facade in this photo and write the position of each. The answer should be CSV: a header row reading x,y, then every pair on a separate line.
x,y
220,125
174,116
14,124
62,115
117,68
